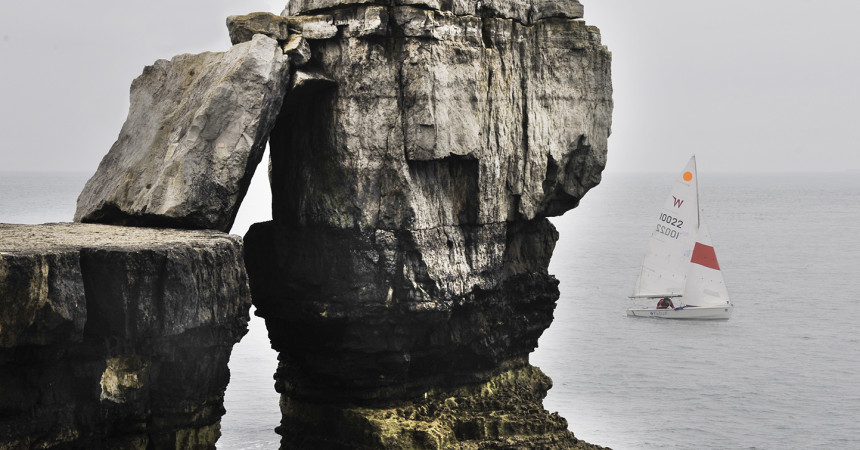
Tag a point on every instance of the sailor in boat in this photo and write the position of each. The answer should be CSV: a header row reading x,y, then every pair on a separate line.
x,y
665,303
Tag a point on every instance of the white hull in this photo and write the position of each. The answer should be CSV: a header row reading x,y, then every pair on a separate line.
x,y
689,312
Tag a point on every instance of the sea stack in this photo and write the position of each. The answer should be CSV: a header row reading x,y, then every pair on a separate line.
x,y
414,163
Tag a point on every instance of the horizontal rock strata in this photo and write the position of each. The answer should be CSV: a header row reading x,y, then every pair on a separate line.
x,y
196,130
375,325
503,412
115,337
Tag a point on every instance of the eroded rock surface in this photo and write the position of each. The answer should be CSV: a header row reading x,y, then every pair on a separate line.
x,y
243,28
523,11
504,412
196,130
116,337
413,168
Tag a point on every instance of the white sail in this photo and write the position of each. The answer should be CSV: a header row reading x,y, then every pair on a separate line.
x,y
667,258
681,262
705,285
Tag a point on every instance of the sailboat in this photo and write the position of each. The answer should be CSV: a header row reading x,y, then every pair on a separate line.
x,y
680,277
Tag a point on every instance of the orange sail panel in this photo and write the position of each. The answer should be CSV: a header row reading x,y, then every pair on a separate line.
x,y
704,255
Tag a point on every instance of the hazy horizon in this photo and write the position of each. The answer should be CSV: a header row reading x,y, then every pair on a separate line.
x,y
748,87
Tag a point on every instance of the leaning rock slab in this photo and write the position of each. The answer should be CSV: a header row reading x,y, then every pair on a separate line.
x,y
116,337
196,130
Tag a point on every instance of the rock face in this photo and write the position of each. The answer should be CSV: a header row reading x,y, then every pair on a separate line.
x,y
196,129
414,163
504,412
115,337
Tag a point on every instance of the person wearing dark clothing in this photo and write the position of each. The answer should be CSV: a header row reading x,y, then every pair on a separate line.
x,y
665,303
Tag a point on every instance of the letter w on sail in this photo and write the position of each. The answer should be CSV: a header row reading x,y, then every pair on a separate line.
x,y
678,201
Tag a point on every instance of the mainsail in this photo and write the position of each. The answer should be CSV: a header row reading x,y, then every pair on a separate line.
x,y
667,258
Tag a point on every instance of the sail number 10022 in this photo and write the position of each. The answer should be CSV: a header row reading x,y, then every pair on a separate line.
x,y
669,220
674,221
672,233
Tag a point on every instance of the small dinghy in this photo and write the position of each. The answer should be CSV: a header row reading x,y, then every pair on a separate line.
x,y
680,277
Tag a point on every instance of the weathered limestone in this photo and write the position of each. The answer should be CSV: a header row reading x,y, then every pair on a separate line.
x,y
414,163
522,110
298,50
503,412
523,11
243,28
116,337
196,130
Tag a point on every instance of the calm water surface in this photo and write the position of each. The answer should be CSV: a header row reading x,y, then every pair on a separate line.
x,y
781,374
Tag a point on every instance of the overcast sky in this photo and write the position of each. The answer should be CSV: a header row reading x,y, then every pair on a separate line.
x,y
753,85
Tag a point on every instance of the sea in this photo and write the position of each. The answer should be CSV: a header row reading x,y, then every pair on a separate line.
x,y
782,373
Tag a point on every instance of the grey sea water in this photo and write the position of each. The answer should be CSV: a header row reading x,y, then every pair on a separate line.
x,y
783,373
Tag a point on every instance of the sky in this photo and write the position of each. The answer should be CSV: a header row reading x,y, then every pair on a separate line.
x,y
747,86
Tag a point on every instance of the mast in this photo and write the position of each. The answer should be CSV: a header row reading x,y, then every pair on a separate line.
x,y
696,186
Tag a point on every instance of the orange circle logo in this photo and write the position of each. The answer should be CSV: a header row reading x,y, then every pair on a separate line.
x,y
688,176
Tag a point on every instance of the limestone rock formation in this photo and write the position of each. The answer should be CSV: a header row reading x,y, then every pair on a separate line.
x,y
116,337
413,170
196,130
503,412
243,28
417,149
